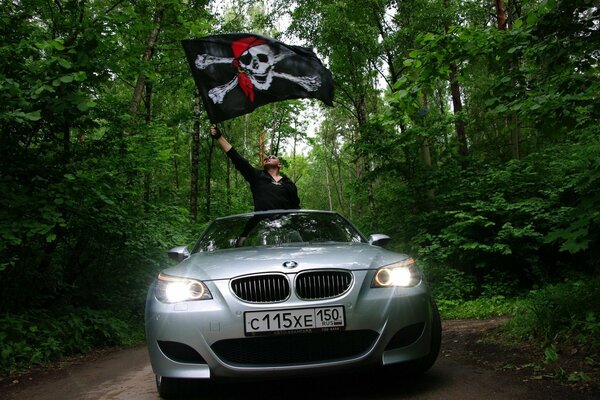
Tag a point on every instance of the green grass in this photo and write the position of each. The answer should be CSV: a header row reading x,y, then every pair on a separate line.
x,y
481,308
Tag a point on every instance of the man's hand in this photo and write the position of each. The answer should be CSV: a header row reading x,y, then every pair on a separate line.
x,y
221,141
215,133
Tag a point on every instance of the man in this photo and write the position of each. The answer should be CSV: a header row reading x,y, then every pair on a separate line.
x,y
270,189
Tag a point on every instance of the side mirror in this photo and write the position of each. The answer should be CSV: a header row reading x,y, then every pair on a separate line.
x,y
378,239
179,253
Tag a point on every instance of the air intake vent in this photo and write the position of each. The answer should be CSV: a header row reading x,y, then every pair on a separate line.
x,y
316,285
310,348
272,288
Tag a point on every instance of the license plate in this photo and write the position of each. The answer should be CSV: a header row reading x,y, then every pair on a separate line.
x,y
294,321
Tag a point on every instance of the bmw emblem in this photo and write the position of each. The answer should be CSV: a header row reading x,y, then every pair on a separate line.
x,y
290,264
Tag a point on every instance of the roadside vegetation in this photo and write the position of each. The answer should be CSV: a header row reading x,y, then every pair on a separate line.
x,y
565,312
557,322
468,131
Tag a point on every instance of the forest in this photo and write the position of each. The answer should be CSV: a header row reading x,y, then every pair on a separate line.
x,y
467,130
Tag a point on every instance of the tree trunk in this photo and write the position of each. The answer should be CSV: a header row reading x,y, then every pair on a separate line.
x,y
425,146
194,159
362,163
516,137
339,180
371,198
502,19
328,187
148,118
152,38
174,160
207,185
459,124
425,150
175,170
276,137
501,14
228,183
394,73
261,146
361,118
294,177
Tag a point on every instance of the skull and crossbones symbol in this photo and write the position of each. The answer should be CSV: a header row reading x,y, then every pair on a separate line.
x,y
254,61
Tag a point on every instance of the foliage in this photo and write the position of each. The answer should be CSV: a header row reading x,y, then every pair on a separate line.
x,y
95,188
559,312
481,308
39,337
89,205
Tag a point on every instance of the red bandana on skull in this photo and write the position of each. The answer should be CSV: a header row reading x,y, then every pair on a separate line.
x,y
239,47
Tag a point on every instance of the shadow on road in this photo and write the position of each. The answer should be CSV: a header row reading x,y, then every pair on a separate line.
x,y
385,384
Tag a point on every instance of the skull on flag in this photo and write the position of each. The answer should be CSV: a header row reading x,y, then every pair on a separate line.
x,y
235,73
254,62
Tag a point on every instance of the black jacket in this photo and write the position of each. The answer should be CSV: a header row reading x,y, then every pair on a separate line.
x,y
267,194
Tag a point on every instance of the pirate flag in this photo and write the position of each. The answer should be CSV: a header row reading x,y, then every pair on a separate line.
x,y
238,72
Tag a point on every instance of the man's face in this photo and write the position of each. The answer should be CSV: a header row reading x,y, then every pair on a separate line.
x,y
271,161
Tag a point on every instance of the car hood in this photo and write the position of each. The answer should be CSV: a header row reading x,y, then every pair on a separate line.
x,y
225,264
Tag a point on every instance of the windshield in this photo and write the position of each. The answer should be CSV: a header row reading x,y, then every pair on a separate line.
x,y
277,230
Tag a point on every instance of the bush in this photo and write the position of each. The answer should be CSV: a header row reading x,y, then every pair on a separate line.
x,y
564,311
450,283
43,336
484,307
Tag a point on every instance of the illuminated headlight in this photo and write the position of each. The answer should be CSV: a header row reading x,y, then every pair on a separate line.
x,y
171,289
403,273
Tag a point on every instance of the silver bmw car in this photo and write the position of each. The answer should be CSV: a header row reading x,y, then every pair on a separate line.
x,y
287,292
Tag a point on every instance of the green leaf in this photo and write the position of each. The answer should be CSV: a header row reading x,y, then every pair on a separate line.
x,y
532,19
85,105
428,37
43,88
57,44
64,63
30,116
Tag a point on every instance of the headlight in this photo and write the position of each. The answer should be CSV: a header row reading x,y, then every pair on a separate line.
x,y
171,289
403,273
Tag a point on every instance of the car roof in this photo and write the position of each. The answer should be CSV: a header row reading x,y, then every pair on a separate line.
x,y
281,211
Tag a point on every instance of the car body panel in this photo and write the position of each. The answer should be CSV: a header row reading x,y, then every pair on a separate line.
x,y
201,326
224,264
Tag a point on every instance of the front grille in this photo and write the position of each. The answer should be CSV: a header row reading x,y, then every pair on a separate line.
x,y
314,285
271,288
295,349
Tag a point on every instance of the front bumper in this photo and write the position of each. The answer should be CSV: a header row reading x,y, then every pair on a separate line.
x,y
205,339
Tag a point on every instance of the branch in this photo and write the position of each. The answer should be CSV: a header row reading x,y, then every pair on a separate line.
x,y
59,5
113,6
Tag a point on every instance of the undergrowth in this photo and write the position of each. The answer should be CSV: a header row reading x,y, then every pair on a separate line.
x,y
564,312
568,311
559,319
41,337
481,308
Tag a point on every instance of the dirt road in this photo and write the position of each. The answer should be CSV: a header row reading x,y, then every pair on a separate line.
x,y
462,372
